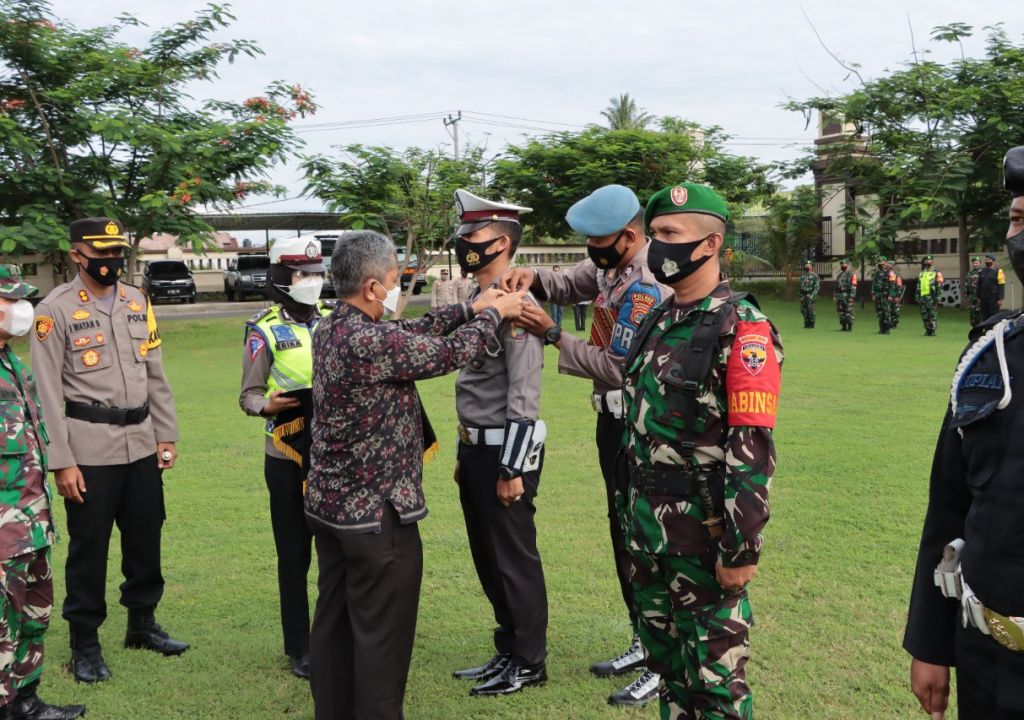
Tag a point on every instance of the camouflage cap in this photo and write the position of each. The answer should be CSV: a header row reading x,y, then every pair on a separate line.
x,y
12,286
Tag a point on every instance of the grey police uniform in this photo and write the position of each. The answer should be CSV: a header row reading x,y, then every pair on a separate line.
x,y
497,398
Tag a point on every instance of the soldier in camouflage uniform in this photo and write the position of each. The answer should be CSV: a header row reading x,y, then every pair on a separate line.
x,y
880,295
929,284
971,291
26,525
810,284
845,295
895,294
701,389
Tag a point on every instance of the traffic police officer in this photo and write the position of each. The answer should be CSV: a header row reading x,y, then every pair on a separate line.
x,y
845,295
110,414
967,612
277,374
991,288
501,441
929,284
702,387
616,278
26,521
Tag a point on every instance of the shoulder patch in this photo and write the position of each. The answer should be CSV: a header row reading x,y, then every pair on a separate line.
x,y
747,311
255,343
753,377
44,325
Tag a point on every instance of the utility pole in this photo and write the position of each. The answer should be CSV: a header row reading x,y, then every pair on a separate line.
x,y
454,123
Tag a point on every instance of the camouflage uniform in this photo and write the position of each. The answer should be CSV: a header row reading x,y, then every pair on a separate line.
x,y
928,286
895,294
26,530
809,287
695,632
971,291
880,283
845,296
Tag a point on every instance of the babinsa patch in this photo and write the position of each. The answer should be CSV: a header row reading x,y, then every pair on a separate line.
x,y
753,352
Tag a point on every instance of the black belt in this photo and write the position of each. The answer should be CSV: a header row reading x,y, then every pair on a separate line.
x,y
678,482
96,413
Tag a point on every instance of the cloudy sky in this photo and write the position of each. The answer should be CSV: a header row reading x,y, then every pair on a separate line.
x,y
519,67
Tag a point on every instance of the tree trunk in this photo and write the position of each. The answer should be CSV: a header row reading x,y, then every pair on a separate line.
x,y
410,241
964,254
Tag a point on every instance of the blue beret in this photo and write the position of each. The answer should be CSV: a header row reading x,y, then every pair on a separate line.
x,y
604,211
990,257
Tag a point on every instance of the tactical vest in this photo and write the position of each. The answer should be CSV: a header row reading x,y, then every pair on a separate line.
x,y
291,346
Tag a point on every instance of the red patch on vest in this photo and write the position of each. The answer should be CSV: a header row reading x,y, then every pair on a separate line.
x,y
753,376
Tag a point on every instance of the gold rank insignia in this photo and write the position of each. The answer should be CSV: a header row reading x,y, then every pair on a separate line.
x,y
83,341
122,293
472,257
90,358
111,229
144,349
80,314
83,296
99,337
134,306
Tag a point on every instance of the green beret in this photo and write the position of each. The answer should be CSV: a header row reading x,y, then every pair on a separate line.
x,y
975,259
686,198
928,258
881,258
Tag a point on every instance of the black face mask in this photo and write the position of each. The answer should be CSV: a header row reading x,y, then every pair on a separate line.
x,y
1015,246
105,271
607,257
672,262
471,256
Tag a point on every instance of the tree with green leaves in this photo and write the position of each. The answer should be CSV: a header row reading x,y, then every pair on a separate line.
x,y
551,172
622,113
927,143
793,230
91,125
408,196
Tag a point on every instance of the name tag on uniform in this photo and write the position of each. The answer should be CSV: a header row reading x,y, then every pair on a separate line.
x,y
285,337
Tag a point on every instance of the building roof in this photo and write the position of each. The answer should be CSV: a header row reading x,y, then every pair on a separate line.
x,y
297,221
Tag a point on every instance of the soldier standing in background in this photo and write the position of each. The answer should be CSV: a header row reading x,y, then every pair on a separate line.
x,y
112,425
616,277
895,293
464,287
880,283
500,455
929,285
991,288
967,612
702,387
845,295
26,520
971,291
810,284
443,291
277,377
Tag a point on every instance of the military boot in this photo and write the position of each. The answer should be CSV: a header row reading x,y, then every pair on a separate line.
x,y
28,706
639,692
87,664
144,633
628,661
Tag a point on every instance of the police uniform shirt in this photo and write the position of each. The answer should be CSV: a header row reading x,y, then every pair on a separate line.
x,y
622,298
83,353
504,382
977,493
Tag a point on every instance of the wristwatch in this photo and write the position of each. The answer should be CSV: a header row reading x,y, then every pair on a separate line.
x,y
505,473
552,335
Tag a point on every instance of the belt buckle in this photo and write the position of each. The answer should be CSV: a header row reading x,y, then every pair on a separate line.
x,y
1004,630
464,435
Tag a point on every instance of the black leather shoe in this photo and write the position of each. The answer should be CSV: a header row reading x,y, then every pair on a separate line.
x,y
144,633
89,667
492,667
512,679
300,665
27,706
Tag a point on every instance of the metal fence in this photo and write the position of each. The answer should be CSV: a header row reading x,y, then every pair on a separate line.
x,y
755,242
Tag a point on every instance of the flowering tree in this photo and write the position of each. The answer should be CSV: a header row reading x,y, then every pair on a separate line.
x,y
90,125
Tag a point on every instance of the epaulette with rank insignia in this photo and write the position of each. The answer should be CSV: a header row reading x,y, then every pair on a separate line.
x,y
260,315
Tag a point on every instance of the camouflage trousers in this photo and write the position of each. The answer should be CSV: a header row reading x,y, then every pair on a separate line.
x,y
696,636
883,310
27,599
807,308
974,308
845,309
894,311
929,312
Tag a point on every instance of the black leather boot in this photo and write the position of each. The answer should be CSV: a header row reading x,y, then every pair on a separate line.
x,y
144,633
299,665
87,664
28,706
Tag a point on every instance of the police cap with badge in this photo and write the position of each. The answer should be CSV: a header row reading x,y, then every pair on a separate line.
x,y
101,233
298,253
474,213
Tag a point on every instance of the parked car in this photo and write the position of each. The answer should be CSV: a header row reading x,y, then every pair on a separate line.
x,y
169,280
411,271
246,275
329,240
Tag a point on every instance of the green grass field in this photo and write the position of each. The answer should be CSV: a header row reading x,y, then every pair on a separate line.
x,y
857,425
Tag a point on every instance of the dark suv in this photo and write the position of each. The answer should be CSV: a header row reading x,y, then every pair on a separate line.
x,y
246,274
169,280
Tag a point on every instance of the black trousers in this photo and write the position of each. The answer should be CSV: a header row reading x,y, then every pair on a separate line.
x,y
973,702
988,307
579,314
294,542
503,542
360,645
609,443
131,495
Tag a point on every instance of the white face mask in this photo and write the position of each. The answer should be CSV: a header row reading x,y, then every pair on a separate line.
x,y
18,318
390,301
306,291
